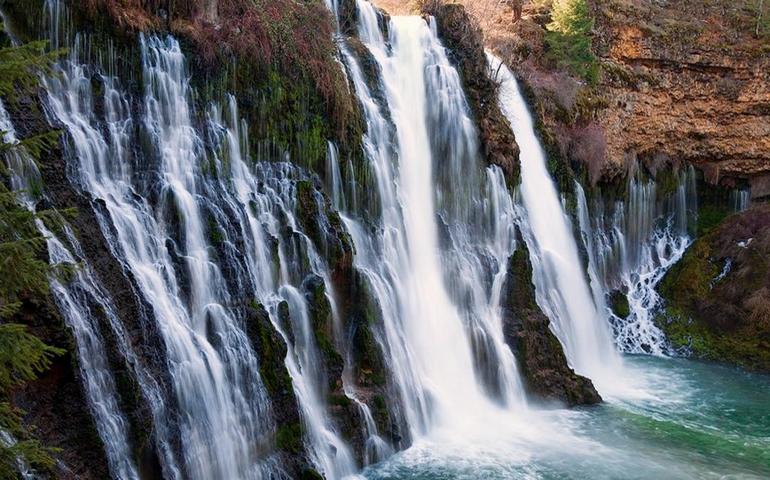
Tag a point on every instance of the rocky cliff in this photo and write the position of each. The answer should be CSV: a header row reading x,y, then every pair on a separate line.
x,y
680,81
544,368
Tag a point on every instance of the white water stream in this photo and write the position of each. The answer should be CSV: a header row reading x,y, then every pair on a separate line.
x,y
562,285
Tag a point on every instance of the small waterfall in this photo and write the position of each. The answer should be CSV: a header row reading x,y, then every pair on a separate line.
x,y
632,248
263,198
740,199
335,186
562,287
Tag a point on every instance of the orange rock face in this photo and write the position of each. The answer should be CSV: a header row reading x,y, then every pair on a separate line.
x,y
698,89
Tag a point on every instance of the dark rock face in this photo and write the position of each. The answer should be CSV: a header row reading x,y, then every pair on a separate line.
x,y
718,296
466,44
272,351
539,353
56,404
358,314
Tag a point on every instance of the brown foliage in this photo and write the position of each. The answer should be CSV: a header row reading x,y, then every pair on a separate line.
x,y
292,37
133,15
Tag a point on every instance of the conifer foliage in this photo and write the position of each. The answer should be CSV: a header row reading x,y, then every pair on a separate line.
x,y
569,38
24,273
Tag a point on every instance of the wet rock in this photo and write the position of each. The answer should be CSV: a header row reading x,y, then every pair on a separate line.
x,y
619,304
271,350
541,358
322,321
56,403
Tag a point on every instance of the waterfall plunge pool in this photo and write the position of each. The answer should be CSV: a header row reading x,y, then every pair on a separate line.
x,y
696,420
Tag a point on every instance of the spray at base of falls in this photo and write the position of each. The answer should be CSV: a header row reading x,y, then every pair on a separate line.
x,y
563,291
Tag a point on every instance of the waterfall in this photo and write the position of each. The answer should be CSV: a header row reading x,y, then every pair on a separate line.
x,y
740,199
263,199
435,238
335,186
222,407
76,299
562,287
631,249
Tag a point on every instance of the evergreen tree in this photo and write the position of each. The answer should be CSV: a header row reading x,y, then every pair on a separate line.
x,y
24,273
569,38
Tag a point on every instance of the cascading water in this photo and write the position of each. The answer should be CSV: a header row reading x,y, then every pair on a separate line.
x,y
427,238
206,234
740,199
563,290
76,299
222,408
630,251
264,201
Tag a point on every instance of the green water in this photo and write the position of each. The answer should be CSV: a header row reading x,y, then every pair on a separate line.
x,y
682,420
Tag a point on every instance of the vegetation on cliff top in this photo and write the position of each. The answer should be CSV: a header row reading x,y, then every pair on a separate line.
x,y
293,38
569,38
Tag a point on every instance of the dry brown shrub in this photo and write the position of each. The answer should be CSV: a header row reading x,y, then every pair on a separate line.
x,y
758,306
292,37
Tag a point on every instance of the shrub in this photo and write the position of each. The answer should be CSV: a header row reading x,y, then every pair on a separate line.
x,y
569,39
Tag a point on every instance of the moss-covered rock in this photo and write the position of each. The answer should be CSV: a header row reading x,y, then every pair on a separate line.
x,y
323,225
272,350
718,296
541,358
619,304
322,321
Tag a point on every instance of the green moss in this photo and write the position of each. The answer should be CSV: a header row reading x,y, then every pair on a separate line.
x,y
743,347
215,233
690,279
692,302
338,400
710,216
619,304
379,402
310,474
272,351
289,438
284,117
321,314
